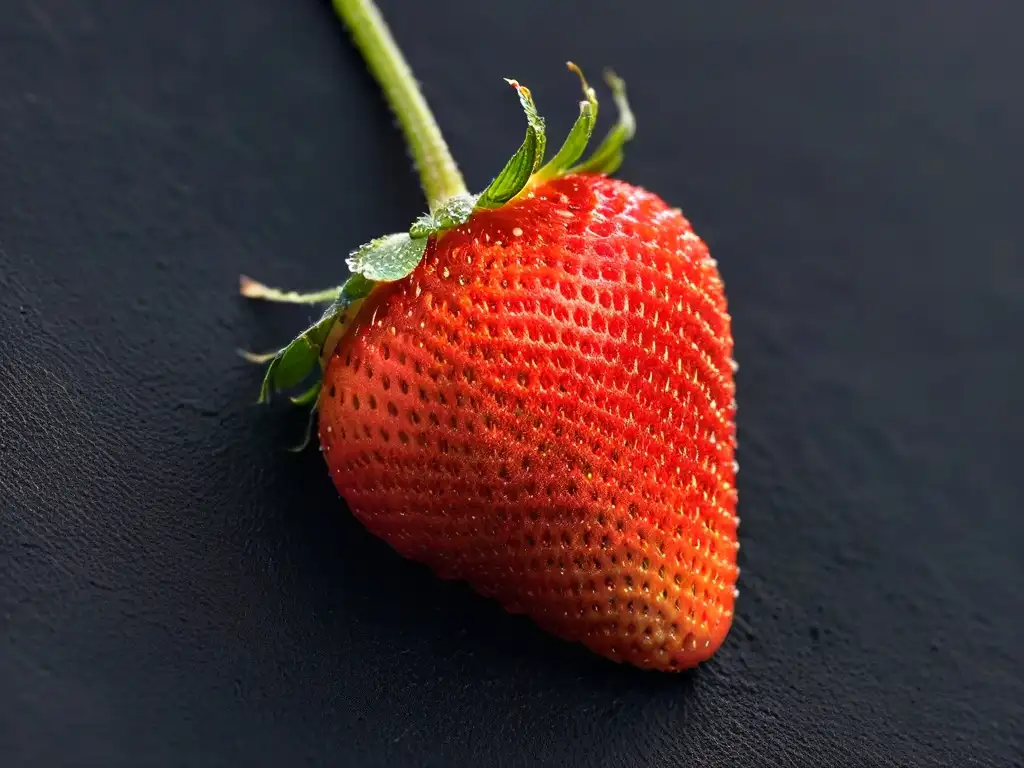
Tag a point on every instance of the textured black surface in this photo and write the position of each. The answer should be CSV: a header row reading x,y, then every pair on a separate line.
x,y
177,590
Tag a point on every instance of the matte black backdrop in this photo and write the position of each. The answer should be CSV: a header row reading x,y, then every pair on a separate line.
x,y
177,590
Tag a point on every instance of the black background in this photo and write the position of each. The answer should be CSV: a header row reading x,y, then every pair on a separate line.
x,y
175,589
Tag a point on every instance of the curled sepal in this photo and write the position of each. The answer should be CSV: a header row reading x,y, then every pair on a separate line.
x,y
576,142
517,172
388,258
608,155
294,363
307,434
309,396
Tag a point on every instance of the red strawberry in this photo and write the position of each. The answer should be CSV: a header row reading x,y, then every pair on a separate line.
x,y
539,400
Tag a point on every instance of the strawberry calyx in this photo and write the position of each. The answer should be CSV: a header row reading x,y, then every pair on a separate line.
x,y
299,365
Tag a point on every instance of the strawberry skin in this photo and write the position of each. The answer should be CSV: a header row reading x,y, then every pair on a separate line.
x,y
545,409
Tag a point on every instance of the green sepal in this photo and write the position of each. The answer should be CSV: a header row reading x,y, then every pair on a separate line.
x,y
355,288
295,362
307,435
452,213
609,153
517,171
388,258
576,142
252,289
258,358
309,396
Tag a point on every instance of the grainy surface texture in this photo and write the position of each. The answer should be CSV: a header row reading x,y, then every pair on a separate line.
x,y
175,589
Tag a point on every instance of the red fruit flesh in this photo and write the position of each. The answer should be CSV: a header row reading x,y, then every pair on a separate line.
x,y
545,408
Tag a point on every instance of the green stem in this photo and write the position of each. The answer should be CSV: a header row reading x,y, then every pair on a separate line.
x,y
439,175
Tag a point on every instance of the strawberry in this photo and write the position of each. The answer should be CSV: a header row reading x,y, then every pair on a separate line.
x,y
532,391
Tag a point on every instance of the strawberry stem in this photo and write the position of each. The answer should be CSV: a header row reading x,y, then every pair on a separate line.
x,y
439,174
